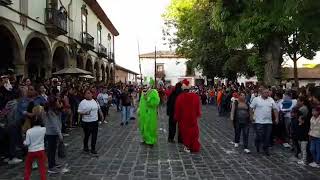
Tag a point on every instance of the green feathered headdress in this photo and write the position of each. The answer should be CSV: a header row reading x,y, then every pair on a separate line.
x,y
151,82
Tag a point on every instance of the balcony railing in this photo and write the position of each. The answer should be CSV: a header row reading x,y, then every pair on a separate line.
x,y
56,21
87,40
102,51
110,56
5,2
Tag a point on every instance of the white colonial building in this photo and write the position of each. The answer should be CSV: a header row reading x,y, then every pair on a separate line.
x,y
169,66
39,37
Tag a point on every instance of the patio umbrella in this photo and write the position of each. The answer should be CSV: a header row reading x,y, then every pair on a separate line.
x,y
87,76
72,71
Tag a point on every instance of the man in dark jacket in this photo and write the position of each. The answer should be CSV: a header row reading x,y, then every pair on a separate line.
x,y
170,112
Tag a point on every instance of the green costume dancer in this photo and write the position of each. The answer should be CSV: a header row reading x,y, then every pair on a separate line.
x,y
148,115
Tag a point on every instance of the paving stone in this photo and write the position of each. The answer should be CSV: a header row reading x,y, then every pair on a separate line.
x,y
121,156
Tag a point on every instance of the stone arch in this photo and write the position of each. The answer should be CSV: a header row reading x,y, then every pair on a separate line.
x,y
107,73
89,65
111,77
42,38
80,62
61,46
11,48
97,70
37,54
59,59
103,72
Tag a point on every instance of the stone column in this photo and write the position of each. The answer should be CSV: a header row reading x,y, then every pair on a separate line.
x,y
20,70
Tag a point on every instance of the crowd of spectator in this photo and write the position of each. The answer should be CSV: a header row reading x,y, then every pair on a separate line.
x,y
58,105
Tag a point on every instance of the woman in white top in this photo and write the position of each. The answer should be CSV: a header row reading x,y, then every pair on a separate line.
x,y
89,109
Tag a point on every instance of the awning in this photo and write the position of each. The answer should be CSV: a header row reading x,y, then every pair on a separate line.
x,y
72,71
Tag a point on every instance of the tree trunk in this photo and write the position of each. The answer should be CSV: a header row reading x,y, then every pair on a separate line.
x,y
272,56
295,70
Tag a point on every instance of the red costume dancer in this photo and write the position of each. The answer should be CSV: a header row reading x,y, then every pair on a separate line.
x,y
187,112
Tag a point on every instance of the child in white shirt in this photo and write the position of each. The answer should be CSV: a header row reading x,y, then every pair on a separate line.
x,y
35,142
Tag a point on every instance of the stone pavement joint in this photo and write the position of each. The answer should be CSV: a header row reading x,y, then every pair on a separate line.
x,y
122,157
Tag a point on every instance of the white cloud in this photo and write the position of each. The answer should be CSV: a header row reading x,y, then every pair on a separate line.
x,y
135,20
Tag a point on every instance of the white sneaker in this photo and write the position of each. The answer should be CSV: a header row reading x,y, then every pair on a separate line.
x,y
314,165
34,165
106,122
14,161
247,151
301,162
53,171
286,145
65,135
186,150
236,145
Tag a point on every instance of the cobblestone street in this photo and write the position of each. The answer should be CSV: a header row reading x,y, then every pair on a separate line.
x,y
122,157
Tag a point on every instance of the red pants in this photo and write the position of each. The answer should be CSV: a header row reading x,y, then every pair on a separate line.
x,y
41,157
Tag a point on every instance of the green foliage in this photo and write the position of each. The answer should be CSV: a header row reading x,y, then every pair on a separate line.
x,y
214,33
255,62
198,41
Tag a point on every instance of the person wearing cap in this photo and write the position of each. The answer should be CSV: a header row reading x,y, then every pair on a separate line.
x,y
148,115
187,113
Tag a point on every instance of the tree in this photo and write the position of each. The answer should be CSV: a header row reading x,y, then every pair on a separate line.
x,y
304,39
268,24
197,40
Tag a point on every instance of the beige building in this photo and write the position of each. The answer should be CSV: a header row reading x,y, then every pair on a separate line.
x,y
39,37
124,75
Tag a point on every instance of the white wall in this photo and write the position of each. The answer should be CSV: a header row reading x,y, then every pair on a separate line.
x,y
302,61
174,68
36,11
243,79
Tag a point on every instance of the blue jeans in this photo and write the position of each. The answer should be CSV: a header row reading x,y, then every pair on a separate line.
x,y
125,113
263,133
132,113
315,149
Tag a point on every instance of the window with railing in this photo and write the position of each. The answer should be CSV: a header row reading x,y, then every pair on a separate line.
x,y
24,7
57,18
84,20
109,46
160,68
88,39
99,28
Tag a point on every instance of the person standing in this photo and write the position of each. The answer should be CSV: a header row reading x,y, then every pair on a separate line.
x,y
263,107
240,116
219,101
314,134
35,142
52,120
125,102
148,115
285,107
89,109
187,112
103,99
170,112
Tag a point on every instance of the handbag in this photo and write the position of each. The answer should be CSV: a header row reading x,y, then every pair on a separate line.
x,y
61,150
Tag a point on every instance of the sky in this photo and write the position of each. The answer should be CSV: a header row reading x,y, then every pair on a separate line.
x,y
138,20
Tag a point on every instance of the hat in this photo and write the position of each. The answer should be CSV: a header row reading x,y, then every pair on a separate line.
x,y
185,84
151,82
